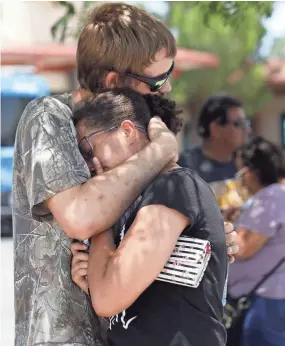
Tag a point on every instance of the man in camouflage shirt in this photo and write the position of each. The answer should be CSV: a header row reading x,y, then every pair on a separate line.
x,y
54,199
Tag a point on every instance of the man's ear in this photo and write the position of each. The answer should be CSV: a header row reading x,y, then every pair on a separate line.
x,y
129,130
112,80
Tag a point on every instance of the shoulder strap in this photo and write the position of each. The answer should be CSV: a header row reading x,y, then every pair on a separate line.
x,y
266,276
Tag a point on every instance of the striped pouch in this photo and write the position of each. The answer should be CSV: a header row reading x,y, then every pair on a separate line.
x,y
188,262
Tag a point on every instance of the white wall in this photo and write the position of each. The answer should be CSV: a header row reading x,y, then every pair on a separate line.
x,y
26,23
29,24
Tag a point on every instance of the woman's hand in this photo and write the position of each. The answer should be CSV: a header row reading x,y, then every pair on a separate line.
x,y
79,265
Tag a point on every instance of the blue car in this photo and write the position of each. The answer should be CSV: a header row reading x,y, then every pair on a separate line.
x,y
17,90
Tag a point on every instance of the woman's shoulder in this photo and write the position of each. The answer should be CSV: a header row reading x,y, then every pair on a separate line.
x,y
179,173
269,199
273,191
178,179
171,179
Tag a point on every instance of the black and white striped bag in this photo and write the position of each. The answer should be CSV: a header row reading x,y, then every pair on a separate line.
x,y
188,262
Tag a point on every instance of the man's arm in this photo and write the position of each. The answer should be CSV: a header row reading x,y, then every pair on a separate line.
x,y
90,208
118,277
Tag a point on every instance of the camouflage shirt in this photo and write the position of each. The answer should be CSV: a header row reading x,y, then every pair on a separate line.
x,y
50,309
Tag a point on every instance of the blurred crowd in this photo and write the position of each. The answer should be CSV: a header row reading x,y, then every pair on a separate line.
x,y
247,175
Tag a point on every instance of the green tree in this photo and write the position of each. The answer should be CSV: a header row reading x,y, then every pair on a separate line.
x,y
231,12
278,48
234,41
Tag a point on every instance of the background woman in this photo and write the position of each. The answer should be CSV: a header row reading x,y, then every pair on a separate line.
x,y
261,236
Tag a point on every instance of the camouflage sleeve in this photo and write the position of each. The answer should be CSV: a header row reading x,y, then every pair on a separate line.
x,y
51,160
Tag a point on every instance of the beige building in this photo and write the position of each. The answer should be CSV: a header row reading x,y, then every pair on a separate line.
x,y
270,121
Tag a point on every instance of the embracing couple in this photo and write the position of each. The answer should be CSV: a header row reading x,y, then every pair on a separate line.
x,y
137,208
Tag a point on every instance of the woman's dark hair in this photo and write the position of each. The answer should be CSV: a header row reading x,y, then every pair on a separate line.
x,y
263,157
109,107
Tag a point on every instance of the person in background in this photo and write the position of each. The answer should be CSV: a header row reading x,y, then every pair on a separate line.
x,y
176,206
223,127
261,237
52,190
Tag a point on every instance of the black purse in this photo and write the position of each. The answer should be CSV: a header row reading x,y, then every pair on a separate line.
x,y
236,309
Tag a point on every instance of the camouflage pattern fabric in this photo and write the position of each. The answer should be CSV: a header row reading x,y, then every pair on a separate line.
x,y
50,309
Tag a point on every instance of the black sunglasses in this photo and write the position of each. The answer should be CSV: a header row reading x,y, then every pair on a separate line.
x,y
155,83
240,123
84,141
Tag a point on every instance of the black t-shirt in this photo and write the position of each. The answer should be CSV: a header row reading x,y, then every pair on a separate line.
x,y
210,170
167,314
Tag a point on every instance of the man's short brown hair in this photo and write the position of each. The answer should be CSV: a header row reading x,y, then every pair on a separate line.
x,y
119,37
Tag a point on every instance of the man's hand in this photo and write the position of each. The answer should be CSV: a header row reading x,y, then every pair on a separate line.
x,y
231,238
79,265
158,132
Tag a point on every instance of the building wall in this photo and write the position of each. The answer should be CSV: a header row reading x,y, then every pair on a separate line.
x,y
27,23
268,121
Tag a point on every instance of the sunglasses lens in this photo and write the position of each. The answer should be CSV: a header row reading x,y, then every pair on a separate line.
x,y
158,85
242,124
161,83
153,83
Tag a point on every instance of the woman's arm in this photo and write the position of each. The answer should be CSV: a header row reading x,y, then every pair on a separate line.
x,y
117,277
250,243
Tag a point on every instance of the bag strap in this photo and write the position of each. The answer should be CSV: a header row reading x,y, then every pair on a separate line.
x,y
266,276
